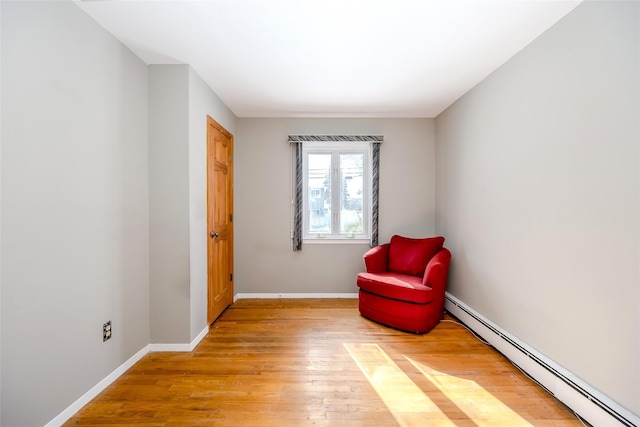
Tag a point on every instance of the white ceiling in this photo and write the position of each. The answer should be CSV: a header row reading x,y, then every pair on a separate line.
x,y
331,58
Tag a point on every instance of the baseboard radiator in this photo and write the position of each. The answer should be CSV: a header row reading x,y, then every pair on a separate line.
x,y
589,403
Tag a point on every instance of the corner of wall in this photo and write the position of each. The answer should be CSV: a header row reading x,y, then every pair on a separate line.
x,y
0,214
203,102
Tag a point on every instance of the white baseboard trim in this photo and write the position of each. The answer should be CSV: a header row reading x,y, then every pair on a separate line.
x,y
162,347
97,389
293,295
589,403
179,347
203,333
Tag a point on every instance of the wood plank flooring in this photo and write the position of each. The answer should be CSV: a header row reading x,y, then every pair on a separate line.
x,y
318,362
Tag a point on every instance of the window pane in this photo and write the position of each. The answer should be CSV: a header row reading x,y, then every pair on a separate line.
x,y
351,193
319,193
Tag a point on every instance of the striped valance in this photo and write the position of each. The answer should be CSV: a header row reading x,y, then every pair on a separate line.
x,y
335,138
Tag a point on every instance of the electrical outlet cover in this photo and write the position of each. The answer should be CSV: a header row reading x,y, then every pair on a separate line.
x,y
106,331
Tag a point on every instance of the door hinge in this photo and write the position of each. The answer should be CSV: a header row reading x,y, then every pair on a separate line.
x,y
230,217
231,277
230,158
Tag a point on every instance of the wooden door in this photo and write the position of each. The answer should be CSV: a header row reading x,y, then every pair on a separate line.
x,y
219,219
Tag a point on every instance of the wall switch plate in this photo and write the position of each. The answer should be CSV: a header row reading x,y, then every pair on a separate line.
x,y
106,331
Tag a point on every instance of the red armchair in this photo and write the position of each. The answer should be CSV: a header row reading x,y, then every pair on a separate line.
x,y
404,284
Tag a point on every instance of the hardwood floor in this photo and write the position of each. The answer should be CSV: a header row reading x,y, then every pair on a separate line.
x,y
318,362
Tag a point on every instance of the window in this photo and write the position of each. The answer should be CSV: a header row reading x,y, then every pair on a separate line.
x,y
336,191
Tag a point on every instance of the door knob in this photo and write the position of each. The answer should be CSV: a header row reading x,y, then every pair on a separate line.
x,y
214,234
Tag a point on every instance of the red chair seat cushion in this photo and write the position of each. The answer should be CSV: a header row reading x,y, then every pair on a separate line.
x,y
402,287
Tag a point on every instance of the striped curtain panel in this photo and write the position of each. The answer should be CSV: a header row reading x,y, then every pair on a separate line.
x,y
375,189
297,141
297,203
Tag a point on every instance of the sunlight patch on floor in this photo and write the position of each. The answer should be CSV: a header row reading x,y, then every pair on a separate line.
x,y
477,403
404,399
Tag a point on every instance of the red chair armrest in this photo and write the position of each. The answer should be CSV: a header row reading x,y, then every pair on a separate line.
x,y
376,259
435,275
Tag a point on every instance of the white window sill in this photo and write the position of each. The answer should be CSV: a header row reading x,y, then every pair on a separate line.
x,y
329,241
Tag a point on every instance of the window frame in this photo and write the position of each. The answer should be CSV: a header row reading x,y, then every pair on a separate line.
x,y
336,149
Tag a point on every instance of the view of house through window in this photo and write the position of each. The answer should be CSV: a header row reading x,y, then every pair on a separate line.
x,y
337,187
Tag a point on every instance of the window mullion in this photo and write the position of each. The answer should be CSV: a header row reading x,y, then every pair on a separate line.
x,y
335,193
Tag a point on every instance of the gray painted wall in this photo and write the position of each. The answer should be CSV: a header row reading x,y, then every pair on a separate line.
x,y
179,102
169,203
74,207
202,102
264,261
538,195
0,218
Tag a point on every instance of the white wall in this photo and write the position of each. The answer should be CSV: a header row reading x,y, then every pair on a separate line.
x,y
264,260
74,207
538,195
